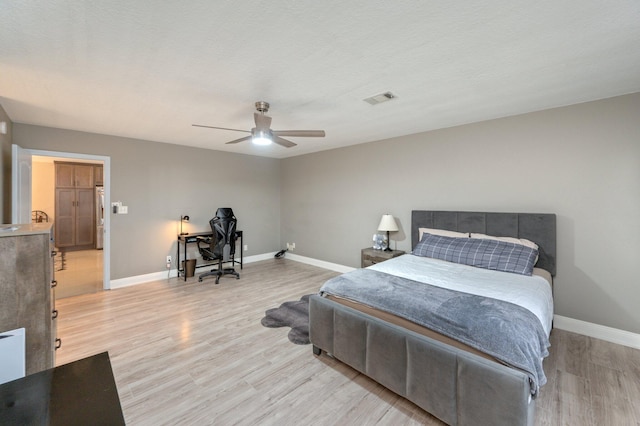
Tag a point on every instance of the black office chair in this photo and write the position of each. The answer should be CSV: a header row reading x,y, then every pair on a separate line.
x,y
221,246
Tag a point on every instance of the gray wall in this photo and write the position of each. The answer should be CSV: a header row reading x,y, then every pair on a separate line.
x,y
580,162
160,182
5,169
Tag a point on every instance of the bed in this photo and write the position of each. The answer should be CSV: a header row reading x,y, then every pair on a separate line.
x,y
454,379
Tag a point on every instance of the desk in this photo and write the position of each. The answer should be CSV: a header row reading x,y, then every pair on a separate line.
x,y
79,393
193,238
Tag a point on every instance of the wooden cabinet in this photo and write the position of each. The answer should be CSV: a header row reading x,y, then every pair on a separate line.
x,y
26,291
370,256
98,175
74,175
75,205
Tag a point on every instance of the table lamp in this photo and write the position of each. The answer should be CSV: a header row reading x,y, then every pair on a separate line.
x,y
183,219
387,223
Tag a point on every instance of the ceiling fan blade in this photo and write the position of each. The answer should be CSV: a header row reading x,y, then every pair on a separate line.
x,y
283,142
262,121
246,138
221,128
300,133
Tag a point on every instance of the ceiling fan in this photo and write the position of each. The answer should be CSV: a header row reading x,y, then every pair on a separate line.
x,y
262,133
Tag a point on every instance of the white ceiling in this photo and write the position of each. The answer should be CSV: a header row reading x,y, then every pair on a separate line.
x,y
149,69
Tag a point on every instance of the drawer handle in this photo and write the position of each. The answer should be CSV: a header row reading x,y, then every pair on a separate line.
x,y
54,314
58,343
54,284
53,253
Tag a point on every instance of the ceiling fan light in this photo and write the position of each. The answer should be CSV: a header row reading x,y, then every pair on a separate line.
x,y
261,140
262,137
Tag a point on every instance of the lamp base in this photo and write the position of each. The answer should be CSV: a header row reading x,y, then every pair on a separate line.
x,y
388,243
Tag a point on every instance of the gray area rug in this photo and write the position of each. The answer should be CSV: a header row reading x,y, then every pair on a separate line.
x,y
294,315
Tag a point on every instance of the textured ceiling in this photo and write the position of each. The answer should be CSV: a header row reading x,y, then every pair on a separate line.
x,y
149,69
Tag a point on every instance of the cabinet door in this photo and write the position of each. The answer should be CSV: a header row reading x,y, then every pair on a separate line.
x,y
65,235
65,175
98,175
84,176
84,216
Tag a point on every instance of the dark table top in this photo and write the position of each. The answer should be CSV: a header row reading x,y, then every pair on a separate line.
x,y
82,392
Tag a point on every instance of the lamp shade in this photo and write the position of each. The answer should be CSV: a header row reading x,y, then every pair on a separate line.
x,y
387,223
184,218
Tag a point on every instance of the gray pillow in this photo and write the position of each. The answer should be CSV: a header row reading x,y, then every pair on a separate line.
x,y
487,254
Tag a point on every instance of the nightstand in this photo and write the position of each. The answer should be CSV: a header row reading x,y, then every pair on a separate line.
x,y
371,256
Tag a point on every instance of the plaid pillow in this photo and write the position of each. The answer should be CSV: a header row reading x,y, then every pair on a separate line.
x,y
487,254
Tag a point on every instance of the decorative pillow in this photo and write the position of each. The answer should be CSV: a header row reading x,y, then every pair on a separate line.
x,y
481,253
521,241
442,232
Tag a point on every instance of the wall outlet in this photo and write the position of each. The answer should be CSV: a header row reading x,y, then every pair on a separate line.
x,y
168,262
291,246
246,247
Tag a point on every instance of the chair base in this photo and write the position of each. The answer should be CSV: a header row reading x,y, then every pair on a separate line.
x,y
218,273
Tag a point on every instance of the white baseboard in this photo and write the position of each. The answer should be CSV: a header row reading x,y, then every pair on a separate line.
x,y
320,263
597,331
613,335
172,273
140,279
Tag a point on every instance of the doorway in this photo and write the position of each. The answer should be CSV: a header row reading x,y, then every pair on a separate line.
x,y
79,267
78,270
22,189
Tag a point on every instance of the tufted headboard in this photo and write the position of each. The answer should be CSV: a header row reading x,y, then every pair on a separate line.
x,y
537,227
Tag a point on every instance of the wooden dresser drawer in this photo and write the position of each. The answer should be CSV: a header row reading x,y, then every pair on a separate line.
x,y
370,256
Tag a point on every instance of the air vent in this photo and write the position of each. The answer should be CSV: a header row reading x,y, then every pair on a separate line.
x,y
378,99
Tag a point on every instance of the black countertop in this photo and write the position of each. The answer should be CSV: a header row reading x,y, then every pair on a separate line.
x,y
82,392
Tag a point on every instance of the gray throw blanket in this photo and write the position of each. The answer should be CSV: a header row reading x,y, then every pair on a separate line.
x,y
508,332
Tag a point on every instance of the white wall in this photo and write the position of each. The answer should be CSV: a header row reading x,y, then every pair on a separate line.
x,y
5,169
43,183
580,162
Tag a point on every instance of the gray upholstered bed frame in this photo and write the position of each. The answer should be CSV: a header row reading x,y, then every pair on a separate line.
x,y
456,386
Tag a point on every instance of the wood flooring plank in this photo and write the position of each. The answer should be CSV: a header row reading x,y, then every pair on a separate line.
x,y
196,354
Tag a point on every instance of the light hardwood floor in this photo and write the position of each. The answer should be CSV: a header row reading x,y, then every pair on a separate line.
x,y
196,354
82,273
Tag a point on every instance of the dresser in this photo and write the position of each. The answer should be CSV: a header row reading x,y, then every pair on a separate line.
x,y
27,290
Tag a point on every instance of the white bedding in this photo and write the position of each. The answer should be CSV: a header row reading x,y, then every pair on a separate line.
x,y
531,292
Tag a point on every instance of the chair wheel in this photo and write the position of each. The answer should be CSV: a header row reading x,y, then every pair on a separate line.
x,y
199,280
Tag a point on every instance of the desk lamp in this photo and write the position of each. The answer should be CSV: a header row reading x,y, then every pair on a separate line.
x,y
183,219
387,223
